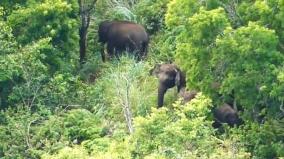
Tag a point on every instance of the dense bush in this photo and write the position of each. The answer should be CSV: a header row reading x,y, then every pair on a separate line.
x,y
168,133
212,52
151,13
17,132
29,135
69,153
52,18
248,54
7,40
126,82
263,141
265,13
195,45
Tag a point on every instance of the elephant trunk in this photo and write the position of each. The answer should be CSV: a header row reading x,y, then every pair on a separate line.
x,y
161,92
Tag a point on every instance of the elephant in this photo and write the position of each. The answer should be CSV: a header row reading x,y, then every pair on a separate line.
x,y
187,96
169,75
123,36
226,114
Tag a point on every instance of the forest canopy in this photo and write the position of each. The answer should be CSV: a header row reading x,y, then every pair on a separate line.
x,y
59,100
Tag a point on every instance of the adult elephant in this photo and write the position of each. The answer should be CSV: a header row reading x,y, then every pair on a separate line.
x,y
123,36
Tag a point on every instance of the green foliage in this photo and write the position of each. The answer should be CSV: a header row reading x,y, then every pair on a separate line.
x,y
267,13
17,132
248,54
51,110
126,82
24,66
29,134
30,72
264,141
180,10
115,10
163,45
82,125
8,6
52,18
69,153
278,86
212,54
65,90
194,47
176,16
66,128
151,13
7,42
185,132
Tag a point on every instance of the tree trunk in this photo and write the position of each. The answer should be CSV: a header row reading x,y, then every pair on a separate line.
x,y
85,15
83,42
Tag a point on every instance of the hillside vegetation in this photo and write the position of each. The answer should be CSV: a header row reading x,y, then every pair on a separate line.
x,y
58,100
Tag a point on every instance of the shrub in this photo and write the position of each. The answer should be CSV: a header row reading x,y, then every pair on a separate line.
x,y
185,132
69,153
151,13
262,140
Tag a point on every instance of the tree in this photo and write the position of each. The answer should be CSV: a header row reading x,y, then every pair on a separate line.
x,y
55,19
10,5
266,13
151,17
246,61
85,10
195,43
176,16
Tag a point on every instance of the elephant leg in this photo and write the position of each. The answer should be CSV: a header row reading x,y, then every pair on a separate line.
x,y
144,50
161,92
117,53
103,54
216,124
110,50
141,51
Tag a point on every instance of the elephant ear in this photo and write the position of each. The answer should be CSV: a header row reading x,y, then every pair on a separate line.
x,y
178,77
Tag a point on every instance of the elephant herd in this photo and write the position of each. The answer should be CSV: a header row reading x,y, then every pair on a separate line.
x,y
169,76
120,36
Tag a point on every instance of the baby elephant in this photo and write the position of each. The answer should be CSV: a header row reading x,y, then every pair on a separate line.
x,y
226,114
187,96
169,76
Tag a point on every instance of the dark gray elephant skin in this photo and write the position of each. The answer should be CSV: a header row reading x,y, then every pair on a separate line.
x,y
226,114
123,36
169,76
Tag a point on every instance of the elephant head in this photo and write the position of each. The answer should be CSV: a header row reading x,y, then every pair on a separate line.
x,y
103,29
103,35
226,114
169,75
